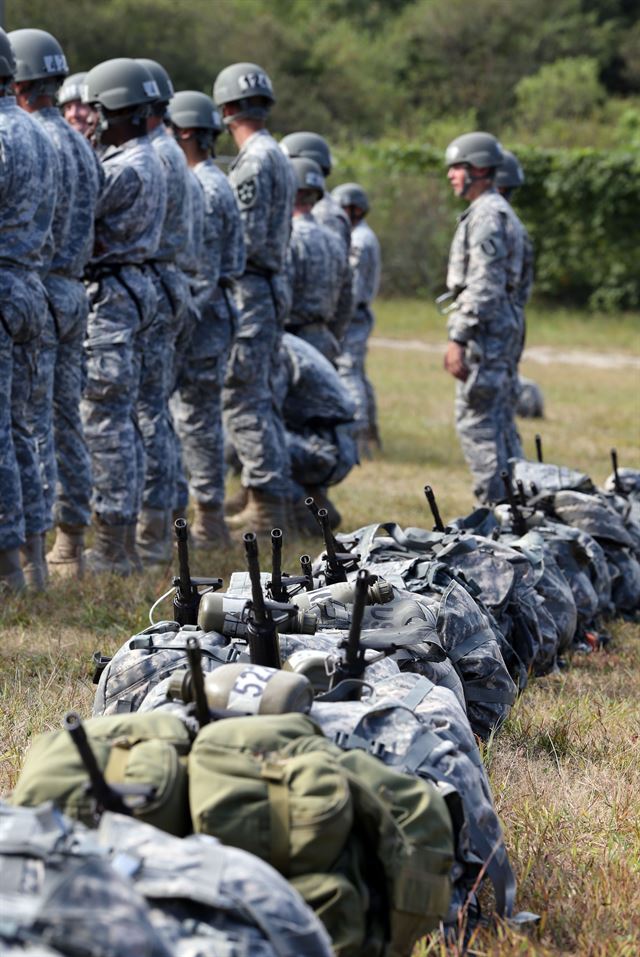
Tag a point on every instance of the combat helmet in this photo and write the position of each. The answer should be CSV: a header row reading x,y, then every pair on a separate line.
x,y
122,85
475,149
71,89
351,194
310,145
7,60
243,84
163,82
308,175
191,109
39,61
509,175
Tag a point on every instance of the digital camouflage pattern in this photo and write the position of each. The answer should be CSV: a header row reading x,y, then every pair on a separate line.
x,y
123,301
365,267
264,186
196,405
55,406
330,213
310,271
485,267
28,185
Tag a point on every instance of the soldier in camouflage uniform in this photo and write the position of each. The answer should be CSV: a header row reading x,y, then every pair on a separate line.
x,y
309,265
197,402
54,410
365,266
264,187
527,395
154,539
28,184
485,266
122,299
331,215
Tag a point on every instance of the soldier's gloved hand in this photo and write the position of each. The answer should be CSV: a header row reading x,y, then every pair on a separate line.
x,y
454,361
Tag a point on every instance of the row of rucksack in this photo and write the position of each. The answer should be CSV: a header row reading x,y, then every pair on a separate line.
x,y
469,612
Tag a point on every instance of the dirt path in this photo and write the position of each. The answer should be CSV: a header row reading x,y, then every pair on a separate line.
x,y
542,354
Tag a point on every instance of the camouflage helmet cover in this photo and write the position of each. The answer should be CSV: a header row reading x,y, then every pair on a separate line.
x,y
71,89
38,56
310,145
160,75
191,109
120,83
7,56
509,175
308,174
351,194
475,149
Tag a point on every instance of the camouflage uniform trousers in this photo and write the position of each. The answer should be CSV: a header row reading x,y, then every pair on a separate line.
x,y
22,316
250,415
196,406
54,411
156,382
122,303
484,412
351,366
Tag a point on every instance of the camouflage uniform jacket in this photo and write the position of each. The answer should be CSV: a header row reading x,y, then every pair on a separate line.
x,y
175,228
28,186
330,214
190,254
365,263
263,182
310,272
81,180
132,205
485,266
222,255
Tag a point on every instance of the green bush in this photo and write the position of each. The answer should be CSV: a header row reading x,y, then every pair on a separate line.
x,y
580,207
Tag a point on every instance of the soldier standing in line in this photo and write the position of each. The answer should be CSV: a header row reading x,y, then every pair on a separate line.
x,y
122,300
197,402
79,115
264,186
54,409
309,265
154,538
329,214
28,185
485,266
365,266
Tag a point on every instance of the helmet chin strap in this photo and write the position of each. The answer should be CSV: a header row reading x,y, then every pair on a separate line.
x,y
105,122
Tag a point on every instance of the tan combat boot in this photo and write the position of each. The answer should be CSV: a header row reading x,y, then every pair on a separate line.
x,y
153,536
109,552
34,565
209,529
11,574
263,512
237,503
66,558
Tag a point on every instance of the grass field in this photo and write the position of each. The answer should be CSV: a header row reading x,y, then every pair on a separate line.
x,y
566,767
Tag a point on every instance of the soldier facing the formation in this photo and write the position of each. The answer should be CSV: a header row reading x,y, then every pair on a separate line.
x,y
485,266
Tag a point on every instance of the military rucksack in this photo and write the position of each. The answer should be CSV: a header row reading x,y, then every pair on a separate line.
x,y
144,752
342,828
144,660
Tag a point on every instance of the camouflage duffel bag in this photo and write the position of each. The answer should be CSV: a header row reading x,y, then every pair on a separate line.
x,y
348,832
143,752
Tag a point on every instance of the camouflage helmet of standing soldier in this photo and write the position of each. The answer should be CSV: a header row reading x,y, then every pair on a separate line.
x,y
249,87
40,61
309,145
351,194
308,176
475,151
509,174
192,110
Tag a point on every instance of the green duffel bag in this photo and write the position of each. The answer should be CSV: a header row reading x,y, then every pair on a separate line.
x,y
248,789
131,749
